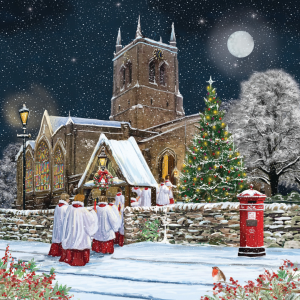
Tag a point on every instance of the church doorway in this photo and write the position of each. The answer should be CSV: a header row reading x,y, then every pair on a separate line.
x,y
167,166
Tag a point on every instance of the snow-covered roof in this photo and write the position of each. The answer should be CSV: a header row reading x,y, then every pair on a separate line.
x,y
30,142
129,159
57,122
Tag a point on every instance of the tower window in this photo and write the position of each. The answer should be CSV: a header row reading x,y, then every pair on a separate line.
x,y
152,71
128,102
122,77
129,65
162,74
151,101
119,107
167,104
124,74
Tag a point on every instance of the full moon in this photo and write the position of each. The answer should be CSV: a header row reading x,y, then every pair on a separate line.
x,y
240,44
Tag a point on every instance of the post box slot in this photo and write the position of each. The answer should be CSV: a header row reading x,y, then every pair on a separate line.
x,y
251,222
251,202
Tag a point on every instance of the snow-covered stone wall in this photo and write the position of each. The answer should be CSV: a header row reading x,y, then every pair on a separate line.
x,y
215,223
28,225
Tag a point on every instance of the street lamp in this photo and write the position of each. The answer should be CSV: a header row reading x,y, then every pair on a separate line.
x,y
24,114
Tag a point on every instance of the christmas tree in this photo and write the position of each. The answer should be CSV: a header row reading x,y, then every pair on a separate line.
x,y
213,169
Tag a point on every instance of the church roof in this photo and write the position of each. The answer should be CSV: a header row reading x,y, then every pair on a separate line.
x,y
30,142
57,122
129,159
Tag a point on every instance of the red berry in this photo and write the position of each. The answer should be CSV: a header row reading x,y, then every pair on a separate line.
x,y
185,181
228,171
229,149
239,175
220,118
193,183
222,139
208,109
241,180
221,167
194,157
201,147
203,136
213,154
223,189
201,178
215,176
209,183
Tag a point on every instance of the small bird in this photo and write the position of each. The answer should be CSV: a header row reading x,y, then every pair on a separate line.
x,y
217,274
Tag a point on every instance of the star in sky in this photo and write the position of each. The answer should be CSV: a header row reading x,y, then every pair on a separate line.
x,y
201,21
118,4
30,9
73,59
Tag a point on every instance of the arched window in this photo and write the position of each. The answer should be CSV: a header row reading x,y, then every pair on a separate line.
x,y
122,77
29,173
162,75
58,169
129,66
42,170
152,71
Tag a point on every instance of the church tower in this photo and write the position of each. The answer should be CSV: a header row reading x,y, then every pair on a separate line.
x,y
145,82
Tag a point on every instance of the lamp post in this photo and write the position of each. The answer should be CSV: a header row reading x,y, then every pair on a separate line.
x,y
24,114
102,160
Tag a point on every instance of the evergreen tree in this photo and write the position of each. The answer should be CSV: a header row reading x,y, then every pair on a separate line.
x,y
213,170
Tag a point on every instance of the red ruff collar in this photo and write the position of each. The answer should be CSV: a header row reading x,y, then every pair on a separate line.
x,y
146,189
167,180
76,205
162,184
119,194
110,204
136,188
60,204
102,205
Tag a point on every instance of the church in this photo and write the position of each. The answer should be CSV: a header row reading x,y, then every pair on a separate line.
x,y
146,104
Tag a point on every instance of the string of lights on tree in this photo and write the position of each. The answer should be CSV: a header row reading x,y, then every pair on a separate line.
x,y
213,170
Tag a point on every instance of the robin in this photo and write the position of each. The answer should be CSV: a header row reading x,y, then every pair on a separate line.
x,y
217,274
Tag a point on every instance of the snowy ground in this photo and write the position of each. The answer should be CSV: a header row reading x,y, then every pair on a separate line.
x,y
149,270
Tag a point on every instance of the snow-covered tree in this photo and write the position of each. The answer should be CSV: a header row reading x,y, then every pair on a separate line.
x,y
8,171
265,123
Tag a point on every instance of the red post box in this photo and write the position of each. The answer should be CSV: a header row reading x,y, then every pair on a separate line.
x,y
251,223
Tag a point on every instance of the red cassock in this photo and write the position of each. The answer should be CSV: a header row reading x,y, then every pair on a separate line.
x,y
108,224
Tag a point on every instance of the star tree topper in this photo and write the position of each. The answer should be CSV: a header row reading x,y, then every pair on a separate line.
x,y
210,81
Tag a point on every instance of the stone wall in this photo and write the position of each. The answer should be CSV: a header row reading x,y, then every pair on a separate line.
x,y
216,223
28,225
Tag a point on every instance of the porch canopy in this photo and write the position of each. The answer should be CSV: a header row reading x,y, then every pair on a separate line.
x,y
125,160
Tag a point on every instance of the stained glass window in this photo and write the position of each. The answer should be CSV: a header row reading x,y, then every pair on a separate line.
x,y
29,173
42,169
58,169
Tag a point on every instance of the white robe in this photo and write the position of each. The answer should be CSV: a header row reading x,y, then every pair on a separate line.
x,y
80,224
168,183
59,217
137,191
145,199
116,212
134,202
108,223
163,195
120,200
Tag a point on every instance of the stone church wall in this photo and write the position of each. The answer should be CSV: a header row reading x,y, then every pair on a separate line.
x,y
186,224
214,223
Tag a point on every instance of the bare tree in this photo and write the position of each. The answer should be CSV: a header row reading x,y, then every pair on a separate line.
x,y
8,171
265,123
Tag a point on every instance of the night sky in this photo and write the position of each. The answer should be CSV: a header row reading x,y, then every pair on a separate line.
x,y
57,55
